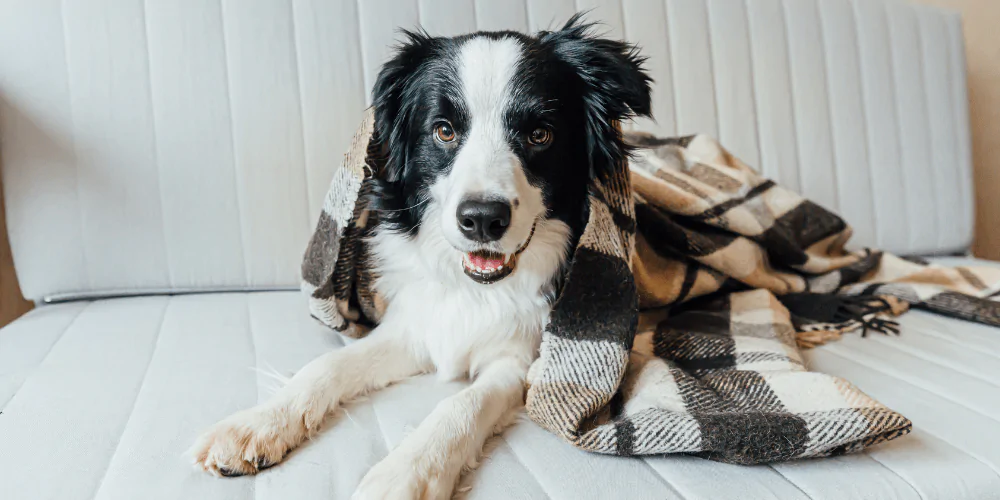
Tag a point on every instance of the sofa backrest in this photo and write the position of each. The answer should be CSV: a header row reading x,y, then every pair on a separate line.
x,y
175,145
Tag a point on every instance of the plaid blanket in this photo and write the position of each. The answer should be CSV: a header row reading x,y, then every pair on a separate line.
x,y
679,325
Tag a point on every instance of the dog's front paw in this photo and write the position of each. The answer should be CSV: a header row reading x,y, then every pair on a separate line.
x,y
246,443
404,477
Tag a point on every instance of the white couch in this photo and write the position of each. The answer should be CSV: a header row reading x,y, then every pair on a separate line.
x,y
164,162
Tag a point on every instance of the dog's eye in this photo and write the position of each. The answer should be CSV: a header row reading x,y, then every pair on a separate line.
x,y
443,132
540,137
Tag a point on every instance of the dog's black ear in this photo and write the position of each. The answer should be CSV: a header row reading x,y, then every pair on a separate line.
x,y
613,82
392,111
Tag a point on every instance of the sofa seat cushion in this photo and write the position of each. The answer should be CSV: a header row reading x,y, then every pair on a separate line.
x,y
101,399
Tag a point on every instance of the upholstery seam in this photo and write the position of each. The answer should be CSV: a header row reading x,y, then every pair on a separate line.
x,y
793,483
914,352
58,339
517,456
961,451
135,400
663,479
838,352
256,374
937,436
930,332
897,474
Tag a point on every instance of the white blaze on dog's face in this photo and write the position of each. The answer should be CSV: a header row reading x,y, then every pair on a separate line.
x,y
489,208
493,141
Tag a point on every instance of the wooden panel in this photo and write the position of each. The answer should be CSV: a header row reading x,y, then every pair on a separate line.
x,y
12,303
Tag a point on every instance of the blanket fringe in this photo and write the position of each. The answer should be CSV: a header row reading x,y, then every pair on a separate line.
x,y
865,313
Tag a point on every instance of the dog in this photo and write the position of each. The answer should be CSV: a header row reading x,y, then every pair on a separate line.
x,y
494,140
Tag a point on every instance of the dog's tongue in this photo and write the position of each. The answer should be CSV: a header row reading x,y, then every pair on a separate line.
x,y
485,261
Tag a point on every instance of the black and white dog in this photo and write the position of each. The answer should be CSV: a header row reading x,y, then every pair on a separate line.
x,y
493,140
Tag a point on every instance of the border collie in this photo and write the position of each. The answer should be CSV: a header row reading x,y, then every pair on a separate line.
x,y
493,141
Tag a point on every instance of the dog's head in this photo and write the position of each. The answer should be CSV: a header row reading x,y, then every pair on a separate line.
x,y
495,136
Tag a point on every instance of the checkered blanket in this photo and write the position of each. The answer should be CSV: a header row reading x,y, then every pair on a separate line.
x,y
679,324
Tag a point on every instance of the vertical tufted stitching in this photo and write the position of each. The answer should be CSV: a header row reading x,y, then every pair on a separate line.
x,y
791,100
940,207
711,66
865,123
837,173
307,199
829,109
361,50
244,244
527,16
88,282
753,85
958,82
762,168
156,151
673,71
894,81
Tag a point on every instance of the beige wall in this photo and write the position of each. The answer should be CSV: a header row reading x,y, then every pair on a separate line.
x,y
981,19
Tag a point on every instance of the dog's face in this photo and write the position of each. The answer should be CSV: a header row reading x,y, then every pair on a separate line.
x,y
494,136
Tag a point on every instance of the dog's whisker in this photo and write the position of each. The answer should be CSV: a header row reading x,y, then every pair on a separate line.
x,y
386,210
271,373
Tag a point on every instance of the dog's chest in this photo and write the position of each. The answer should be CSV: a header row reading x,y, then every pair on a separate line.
x,y
461,325
462,332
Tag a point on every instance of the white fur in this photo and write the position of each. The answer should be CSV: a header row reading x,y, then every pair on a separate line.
x,y
486,166
437,319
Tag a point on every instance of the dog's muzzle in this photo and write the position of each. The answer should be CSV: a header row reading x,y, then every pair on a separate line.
x,y
487,267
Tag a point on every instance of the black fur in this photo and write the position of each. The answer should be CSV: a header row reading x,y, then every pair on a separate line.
x,y
572,81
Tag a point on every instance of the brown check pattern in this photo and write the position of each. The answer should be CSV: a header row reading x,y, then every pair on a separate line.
x,y
711,279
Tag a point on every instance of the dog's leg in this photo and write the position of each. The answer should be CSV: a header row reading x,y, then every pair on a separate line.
x,y
427,464
257,438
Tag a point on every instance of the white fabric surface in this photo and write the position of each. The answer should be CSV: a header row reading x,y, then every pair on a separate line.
x,y
187,144
100,399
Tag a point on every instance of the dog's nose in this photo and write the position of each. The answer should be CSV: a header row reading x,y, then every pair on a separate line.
x,y
483,220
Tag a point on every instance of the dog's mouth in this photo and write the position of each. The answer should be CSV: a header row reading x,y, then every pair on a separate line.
x,y
487,267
